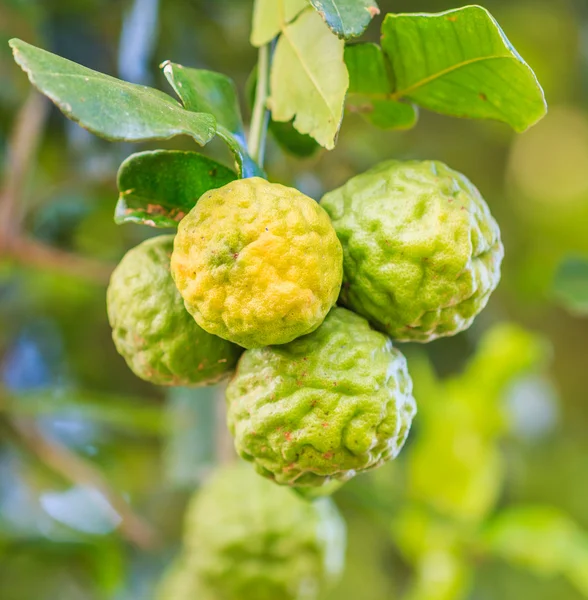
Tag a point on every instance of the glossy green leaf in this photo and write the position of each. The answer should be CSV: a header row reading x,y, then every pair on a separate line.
x,y
269,16
158,188
370,89
214,93
347,18
460,63
110,108
309,79
570,286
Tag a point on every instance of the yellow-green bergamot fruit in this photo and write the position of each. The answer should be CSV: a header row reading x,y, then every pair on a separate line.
x,y
257,263
151,328
323,407
422,252
248,539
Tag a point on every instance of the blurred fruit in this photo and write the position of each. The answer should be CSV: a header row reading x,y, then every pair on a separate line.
x,y
247,539
257,263
151,328
422,252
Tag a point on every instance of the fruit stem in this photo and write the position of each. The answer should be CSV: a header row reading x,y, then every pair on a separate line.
x,y
260,116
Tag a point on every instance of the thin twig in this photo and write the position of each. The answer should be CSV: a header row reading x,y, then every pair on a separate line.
x,y
75,469
23,145
30,252
22,149
260,115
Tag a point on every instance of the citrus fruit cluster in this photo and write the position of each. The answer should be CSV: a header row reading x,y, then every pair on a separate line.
x,y
262,543
410,252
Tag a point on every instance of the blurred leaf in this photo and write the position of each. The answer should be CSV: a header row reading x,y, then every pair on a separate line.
x,y
539,538
109,107
460,63
309,79
418,532
158,188
81,508
570,286
347,18
453,469
204,91
370,89
441,576
269,16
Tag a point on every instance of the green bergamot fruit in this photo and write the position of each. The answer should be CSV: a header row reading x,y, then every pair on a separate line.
x,y
323,407
421,250
151,328
257,263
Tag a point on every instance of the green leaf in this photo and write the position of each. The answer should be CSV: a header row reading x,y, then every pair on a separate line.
x,y
460,63
158,188
110,108
539,538
347,18
309,79
570,286
370,89
290,140
214,93
269,16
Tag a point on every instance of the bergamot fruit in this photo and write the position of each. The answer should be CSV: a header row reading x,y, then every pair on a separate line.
x,y
323,407
257,263
421,251
151,328
248,539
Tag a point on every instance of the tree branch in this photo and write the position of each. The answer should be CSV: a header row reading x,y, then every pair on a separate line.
x,y
23,145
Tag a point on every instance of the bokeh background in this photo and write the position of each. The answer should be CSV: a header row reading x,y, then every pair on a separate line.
x,y
488,500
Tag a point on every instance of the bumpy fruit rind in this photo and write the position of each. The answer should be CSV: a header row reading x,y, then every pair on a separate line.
x,y
257,263
248,539
422,252
151,328
323,407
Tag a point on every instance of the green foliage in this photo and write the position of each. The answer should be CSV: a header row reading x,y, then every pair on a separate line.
x,y
542,539
158,188
108,107
346,18
269,17
214,93
460,63
309,79
570,286
370,89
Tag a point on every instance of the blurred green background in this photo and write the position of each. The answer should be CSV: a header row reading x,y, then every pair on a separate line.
x,y
488,500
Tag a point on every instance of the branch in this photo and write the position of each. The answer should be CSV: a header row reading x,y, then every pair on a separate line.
x,y
23,146
260,115
30,252
75,469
